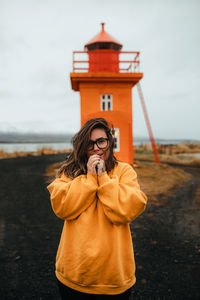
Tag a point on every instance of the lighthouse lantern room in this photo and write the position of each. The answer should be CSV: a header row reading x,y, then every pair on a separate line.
x,y
104,75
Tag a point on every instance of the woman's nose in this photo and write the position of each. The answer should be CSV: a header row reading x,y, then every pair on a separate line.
x,y
95,147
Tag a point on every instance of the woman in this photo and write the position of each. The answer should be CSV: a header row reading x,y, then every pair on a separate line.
x,y
97,197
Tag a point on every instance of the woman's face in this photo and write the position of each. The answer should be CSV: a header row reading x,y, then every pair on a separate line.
x,y
98,134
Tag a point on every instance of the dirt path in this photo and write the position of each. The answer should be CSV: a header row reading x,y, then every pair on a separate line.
x,y
166,238
167,245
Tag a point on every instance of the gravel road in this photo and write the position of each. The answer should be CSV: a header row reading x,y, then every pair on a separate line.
x,y
166,237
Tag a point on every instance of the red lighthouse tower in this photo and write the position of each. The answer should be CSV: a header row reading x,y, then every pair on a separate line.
x,y
104,75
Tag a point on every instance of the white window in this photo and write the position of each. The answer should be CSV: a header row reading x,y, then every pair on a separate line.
x,y
106,102
115,133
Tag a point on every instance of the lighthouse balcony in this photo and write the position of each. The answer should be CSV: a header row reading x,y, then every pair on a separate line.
x,y
106,60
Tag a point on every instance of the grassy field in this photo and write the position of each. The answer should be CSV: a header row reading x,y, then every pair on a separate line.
x,y
183,154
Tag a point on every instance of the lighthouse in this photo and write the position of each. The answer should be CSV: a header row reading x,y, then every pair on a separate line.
x,y
104,75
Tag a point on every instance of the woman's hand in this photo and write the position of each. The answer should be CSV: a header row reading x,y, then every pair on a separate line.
x,y
95,165
100,167
92,163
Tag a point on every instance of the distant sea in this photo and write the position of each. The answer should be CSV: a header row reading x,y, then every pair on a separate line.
x,y
31,142
32,147
11,147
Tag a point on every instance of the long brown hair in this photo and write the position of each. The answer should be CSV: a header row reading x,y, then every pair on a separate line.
x,y
76,163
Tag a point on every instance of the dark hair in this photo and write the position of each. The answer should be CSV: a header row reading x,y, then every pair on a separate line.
x,y
76,163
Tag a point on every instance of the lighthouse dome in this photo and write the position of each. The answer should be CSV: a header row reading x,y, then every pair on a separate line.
x,y
103,41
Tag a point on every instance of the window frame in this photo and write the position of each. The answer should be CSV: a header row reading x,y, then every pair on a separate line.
x,y
105,101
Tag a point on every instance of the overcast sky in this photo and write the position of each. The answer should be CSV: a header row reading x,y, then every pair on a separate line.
x,y
37,38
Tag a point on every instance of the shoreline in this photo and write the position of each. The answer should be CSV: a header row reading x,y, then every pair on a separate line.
x,y
187,154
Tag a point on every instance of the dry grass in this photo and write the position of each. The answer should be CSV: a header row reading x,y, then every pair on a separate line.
x,y
170,149
182,154
51,171
197,196
176,159
42,151
160,179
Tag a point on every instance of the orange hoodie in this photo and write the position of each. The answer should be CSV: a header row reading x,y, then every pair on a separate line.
x,y
95,254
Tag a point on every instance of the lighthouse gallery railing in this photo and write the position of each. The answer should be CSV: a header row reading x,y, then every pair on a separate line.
x,y
81,61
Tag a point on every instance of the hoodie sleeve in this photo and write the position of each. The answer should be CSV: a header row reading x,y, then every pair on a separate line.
x,y
69,198
121,196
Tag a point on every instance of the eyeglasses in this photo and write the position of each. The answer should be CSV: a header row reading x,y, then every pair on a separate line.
x,y
101,143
